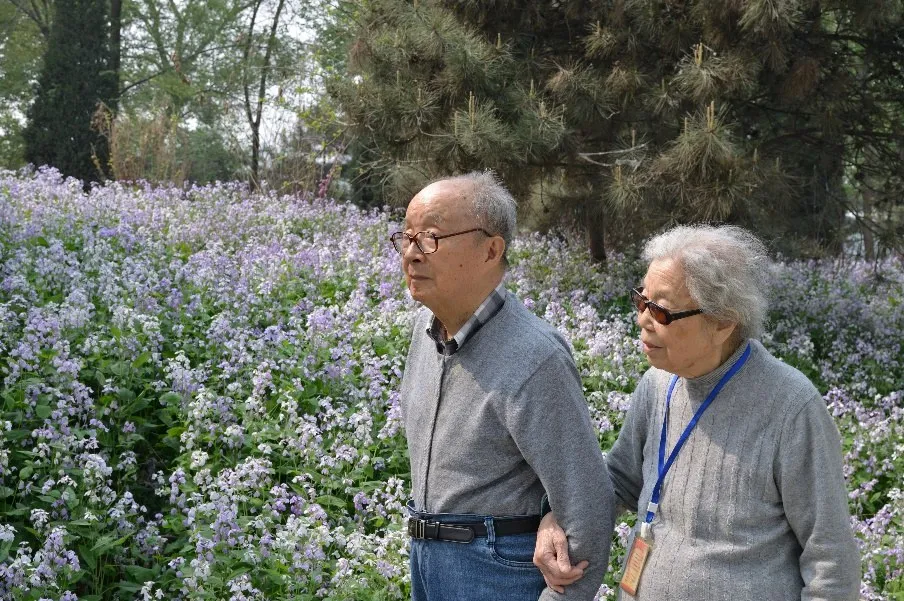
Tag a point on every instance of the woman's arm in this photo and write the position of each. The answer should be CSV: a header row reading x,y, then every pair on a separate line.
x,y
808,472
625,460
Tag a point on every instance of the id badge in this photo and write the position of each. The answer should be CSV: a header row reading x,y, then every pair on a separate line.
x,y
637,559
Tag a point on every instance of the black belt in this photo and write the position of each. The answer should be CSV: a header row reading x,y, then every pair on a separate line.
x,y
465,533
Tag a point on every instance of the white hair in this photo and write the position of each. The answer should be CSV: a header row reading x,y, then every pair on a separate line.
x,y
494,206
726,271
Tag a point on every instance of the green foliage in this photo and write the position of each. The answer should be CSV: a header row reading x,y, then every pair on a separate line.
x,y
200,389
210,155
753,113
75,80
21,47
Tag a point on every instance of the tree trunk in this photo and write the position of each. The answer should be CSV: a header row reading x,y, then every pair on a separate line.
x,y
869,243
115,42
254,117
255,156
596,232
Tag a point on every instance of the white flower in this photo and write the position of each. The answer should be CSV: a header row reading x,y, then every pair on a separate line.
x,y
39,517
199,459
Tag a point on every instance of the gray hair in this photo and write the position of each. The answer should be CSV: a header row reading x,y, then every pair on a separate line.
x,y
726,271
494,206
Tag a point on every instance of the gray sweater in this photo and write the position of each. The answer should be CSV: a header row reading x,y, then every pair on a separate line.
x,y
500,422
755,505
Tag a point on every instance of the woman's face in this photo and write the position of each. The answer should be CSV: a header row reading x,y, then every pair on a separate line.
x,y
688,347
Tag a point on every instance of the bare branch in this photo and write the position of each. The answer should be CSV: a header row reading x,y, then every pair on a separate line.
x,y
39,11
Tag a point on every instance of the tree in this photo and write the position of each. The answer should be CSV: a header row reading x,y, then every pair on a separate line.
x,y
21,48
216,63
74,81
625,115
205,66
255,61
180,55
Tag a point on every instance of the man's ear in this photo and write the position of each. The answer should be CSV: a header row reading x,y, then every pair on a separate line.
x,y
495,249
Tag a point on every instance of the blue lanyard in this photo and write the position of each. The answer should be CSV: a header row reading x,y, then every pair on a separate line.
x,y
664,465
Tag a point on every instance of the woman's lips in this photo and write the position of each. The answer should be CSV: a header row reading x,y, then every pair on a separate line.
x,y
647,347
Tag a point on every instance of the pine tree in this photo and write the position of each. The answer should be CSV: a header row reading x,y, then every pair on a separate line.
x,y
629,114
75,78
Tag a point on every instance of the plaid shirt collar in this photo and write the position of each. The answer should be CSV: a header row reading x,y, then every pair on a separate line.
x,y
487,309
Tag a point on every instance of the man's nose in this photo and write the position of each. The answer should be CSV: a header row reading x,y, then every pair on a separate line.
x,y
412,253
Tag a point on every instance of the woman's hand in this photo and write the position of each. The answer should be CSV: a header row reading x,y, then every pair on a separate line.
x,y
551,556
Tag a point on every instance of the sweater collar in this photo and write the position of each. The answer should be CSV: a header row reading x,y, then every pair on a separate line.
x,y
487,309
702,385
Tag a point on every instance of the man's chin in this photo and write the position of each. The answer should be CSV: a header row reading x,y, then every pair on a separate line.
x,y
419,295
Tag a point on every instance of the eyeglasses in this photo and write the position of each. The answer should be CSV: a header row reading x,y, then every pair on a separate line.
x,y
427,242
660,314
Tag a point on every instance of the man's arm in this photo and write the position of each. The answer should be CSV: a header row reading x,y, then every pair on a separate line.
x,y
808,471
625,463
550,423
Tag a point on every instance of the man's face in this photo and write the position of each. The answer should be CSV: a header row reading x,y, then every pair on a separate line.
x,y
439,279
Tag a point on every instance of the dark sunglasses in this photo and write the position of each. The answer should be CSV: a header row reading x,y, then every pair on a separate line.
x,y
660,314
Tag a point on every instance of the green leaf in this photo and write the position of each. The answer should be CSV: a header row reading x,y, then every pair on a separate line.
x,y
9,400
135,407
141,359
129,587
171,398
107,542
43,411
120,368
331,501
88,556
140,573
16,434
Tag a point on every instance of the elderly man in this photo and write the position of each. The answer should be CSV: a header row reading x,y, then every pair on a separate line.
x,y
493,411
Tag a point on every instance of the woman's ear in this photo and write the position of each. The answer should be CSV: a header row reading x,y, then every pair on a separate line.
x,y
726,331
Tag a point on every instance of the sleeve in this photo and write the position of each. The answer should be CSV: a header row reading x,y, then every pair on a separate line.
x,y
808,472
625,459
550,422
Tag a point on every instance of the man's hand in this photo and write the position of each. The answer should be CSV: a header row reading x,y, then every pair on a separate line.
x,y
551,556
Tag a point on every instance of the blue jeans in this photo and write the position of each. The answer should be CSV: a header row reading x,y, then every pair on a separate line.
x,y
486,569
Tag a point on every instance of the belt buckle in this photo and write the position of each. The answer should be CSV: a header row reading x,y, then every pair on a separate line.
x,y
418,528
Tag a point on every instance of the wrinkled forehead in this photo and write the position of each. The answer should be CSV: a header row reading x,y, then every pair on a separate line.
x,y
441,203
665,278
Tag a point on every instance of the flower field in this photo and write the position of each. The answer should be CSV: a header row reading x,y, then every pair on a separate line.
x,y
198,389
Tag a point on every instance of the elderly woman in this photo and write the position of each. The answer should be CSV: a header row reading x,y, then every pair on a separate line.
x,y
727,455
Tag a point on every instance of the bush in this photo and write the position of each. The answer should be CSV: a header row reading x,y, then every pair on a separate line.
x,y
199,393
